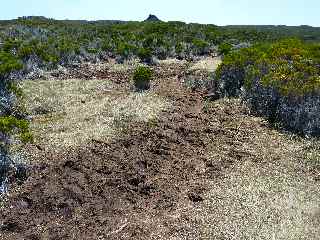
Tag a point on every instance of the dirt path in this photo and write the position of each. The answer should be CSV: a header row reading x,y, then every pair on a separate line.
x,y
200,171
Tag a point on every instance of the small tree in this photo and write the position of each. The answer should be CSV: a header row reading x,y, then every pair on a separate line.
x,y
142,77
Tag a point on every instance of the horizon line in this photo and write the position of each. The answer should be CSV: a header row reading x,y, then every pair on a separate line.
x,y
124,21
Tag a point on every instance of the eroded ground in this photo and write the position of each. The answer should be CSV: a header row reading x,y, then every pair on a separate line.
x,y
110,163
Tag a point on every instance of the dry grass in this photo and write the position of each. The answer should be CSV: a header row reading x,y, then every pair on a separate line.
x,y
269,194
172,61
261,202
113,66
141,107
207,64
71,112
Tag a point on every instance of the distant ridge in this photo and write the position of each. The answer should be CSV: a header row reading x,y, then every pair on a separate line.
x,y
152,18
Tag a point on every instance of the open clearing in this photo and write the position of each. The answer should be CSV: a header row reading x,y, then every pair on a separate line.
x,y
110,163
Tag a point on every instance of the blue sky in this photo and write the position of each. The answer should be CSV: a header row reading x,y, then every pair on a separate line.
x,y
219,12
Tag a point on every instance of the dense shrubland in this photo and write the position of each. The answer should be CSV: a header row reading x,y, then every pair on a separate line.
x,y
280,81
44,43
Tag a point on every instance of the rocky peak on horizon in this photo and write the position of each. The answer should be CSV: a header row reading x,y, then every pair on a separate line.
x,y
152,18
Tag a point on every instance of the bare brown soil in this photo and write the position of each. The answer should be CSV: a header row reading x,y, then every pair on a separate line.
x,y
134,186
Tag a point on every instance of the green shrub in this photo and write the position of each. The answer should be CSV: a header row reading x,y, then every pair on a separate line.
x,y
10,44
145,54
125,49
15,89
26,137
287,66
179,48
11,125
200,45
142,77
8,64
231,74
92,50
224,48
106,46
280,81
25,51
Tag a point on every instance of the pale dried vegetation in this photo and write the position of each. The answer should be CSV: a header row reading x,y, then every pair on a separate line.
x,y
72,112
267,195
209,64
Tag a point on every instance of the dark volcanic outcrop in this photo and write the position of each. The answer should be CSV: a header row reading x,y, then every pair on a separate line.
x,y
152,18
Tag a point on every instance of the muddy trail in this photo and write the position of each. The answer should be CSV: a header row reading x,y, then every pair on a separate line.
x,y
148,182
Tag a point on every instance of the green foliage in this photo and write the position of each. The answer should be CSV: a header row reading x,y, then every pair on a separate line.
x,y
8,63
145,54
232,72
281,81
26,137
9,123
10,44
200,45
14,88
25,51
179,48
92,50
41,50
291,68
55,41
224,48
142,77
12,125
106,46
125,49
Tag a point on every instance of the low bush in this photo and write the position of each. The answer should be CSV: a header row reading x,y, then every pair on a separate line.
x,y
201,46
8,64
11,125
224,48
142,77
231,73
126,50
280,81
145,55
